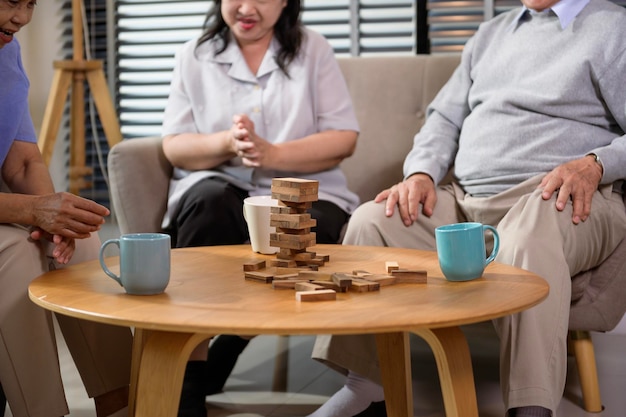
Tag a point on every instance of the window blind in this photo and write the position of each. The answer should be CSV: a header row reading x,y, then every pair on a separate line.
x,y
148,32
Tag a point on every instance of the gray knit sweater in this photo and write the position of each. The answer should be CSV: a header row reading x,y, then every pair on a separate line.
x,y
528,97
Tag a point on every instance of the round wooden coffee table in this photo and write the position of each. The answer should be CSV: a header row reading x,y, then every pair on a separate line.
x,y
208,295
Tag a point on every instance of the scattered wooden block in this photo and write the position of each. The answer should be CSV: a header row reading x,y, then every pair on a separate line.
x,y
389,266
341,279
254,265
283,263
286,277
382,279
307,286
321,295
314,275
358,286
259,276
408,276
286,284
282,271
330,285
361,273
364,285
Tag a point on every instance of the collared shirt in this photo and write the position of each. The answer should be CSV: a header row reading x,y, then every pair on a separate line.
x,y
565,10
208,89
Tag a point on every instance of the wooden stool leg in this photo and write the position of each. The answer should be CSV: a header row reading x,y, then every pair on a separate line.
x,y
582,347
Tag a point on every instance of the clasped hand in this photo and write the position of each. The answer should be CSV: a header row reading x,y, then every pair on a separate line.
x,y
253,150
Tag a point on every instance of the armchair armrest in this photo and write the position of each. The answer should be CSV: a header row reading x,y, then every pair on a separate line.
x,y
139,177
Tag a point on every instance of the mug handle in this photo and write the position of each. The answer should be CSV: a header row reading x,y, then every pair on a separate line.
x,y
496,243
101,257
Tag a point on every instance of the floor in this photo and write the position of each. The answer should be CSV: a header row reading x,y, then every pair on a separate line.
x,y
309,383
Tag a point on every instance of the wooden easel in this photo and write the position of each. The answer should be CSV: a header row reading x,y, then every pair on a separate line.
x,y
74,73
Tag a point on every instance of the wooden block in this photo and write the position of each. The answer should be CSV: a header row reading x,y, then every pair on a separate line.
x,y
294,185
286,284
330,285
282,271
254,265
382,279
314,275
294,225
259,276
361,273
325,258
290,277
321,295
357,286
364,285
389,266
284,263
307,286
301,207
316,261
293,231
341,279
408,276
282,209
283,240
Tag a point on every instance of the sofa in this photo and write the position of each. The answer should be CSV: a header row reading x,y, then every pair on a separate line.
x,y
390,96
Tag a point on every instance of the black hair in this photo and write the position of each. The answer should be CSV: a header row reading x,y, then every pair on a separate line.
x,y
287,30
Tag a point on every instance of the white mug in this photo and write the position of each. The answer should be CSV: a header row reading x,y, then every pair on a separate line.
x,y
256,211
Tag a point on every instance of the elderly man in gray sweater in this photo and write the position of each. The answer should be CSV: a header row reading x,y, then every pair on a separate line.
x,y
533,121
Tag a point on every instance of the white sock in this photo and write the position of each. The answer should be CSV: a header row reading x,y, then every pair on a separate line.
x,y
355,396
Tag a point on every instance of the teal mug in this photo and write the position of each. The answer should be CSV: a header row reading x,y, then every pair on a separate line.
x,y
461,250
144,262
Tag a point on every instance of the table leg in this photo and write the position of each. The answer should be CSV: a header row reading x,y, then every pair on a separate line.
x,y
159,360
454,364
394,354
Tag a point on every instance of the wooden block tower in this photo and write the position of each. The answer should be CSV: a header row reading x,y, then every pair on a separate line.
x,y
293,224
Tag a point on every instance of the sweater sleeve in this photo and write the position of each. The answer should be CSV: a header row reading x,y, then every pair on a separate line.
x,y
436,144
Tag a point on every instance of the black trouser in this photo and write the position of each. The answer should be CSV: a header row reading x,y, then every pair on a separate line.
x,y
211,213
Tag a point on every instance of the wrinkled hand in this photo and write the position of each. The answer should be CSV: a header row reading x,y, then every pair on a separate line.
x,y
252,149
408,195
63,246
68,215
578,180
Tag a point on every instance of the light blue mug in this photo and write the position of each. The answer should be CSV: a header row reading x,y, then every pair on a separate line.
x,y
144,262
461,250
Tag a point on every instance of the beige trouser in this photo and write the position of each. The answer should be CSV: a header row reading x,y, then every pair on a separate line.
x,y
534,236
29,365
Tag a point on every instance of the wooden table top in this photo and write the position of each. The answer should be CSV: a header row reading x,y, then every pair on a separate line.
x,y
208,294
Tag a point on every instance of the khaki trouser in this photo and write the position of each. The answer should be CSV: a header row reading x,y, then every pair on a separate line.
x,y
534,236
29,365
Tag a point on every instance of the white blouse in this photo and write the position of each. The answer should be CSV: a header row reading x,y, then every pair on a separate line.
x,y
207,90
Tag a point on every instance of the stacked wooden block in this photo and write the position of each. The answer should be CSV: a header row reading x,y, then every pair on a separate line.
x,y
293,223
295,267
